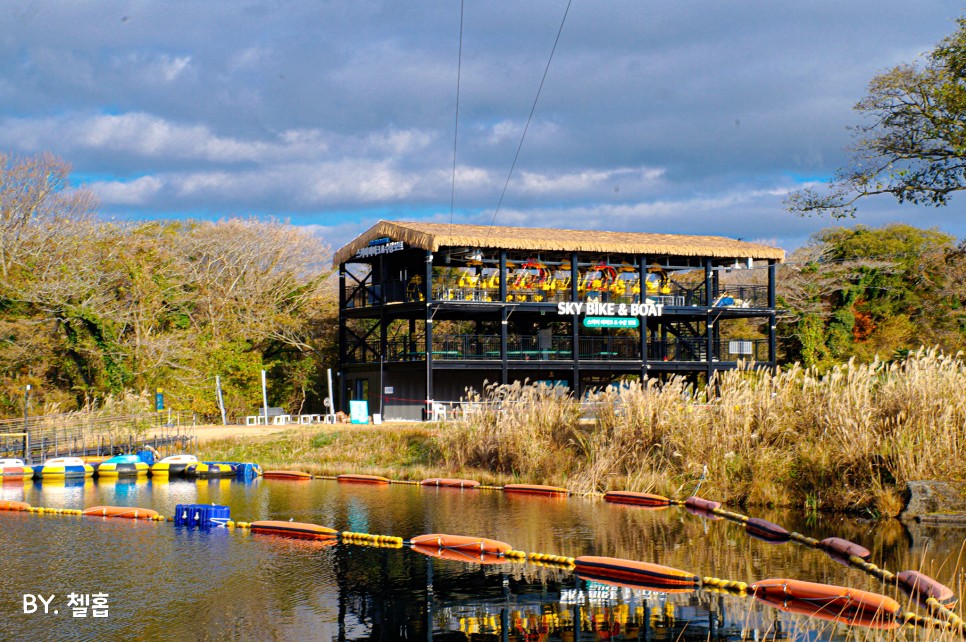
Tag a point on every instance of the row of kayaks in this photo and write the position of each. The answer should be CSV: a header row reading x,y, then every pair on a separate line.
x,y
120,466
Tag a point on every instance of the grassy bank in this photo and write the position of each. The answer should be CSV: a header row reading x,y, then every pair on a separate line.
x,y
848,440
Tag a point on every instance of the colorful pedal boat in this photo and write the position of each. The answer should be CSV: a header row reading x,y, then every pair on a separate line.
x,y
173,465
122,466
15,469
63,468
209,469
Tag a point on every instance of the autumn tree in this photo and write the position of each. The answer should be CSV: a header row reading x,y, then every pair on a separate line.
x,y
862,292
912,143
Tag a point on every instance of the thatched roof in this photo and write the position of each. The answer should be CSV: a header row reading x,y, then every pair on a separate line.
x,y
433,236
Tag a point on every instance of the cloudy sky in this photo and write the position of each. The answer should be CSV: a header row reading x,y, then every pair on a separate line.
x,y
687,116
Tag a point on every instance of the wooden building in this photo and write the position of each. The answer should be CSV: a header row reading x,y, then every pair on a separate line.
x,y
427,310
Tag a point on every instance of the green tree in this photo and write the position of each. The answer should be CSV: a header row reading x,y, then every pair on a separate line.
x,y
863,292
912,143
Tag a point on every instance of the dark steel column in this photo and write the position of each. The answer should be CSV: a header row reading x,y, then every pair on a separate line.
x,y
575,322
642,274
340,404
504,330
708,321
772,317
428,277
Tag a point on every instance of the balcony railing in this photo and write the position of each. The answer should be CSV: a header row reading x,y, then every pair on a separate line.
x,y
365,294
475,347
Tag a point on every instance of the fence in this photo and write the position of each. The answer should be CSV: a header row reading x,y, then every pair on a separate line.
x,y
90,434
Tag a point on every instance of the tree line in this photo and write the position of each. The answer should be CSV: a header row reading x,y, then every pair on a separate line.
x,y
92,309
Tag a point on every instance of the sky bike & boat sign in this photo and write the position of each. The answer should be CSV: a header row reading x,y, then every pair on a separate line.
x,y
380,246
610,315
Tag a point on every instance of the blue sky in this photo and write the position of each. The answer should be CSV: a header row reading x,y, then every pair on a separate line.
x,y
689,117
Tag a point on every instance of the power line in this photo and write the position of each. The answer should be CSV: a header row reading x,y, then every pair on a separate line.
x,y
530,117
459,73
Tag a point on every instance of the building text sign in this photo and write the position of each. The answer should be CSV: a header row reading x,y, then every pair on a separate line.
x,y
596,308
383,248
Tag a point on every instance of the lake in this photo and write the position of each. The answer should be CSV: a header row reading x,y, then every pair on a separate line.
x,y
163,581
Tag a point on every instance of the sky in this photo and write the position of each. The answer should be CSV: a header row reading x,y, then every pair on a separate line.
x,y
692,117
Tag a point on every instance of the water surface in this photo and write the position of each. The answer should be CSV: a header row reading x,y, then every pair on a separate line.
x,y
165,581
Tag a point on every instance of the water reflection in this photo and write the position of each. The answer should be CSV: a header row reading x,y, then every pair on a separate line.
x,y
165,581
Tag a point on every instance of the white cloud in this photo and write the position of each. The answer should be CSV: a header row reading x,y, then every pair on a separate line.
x,y
137,192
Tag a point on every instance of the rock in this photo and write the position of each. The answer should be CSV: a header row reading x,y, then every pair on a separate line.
x,y
925,499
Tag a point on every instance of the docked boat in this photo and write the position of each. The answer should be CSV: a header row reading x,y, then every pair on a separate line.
x,y
122,466
173,465
15,469
209,469
64,468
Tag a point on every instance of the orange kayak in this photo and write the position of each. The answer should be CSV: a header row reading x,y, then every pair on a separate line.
x,y
654,575
362,479
126,512
834,597
849,616
299,530
636,499
8,504
444,482
536,489
462,543
297,475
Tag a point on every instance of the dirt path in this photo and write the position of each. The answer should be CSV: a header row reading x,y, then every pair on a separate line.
x,y
214,431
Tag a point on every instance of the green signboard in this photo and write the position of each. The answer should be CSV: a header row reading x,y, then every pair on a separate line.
x,y
611,322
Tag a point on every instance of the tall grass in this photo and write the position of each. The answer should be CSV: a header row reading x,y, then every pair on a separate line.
x,y
845,440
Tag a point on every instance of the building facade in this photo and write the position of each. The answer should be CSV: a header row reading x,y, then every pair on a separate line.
x,y
429,310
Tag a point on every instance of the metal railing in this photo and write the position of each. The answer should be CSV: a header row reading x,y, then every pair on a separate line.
x,y
91,434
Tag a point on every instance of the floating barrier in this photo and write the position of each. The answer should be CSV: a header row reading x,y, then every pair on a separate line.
x,y
456,555
298,530
701,504
826,594
832,613
726,586
294,475
636,499
121,466
203,515
844,547
15,469
443,482
703,514
641,585
362,479
768,531
64,468
366,539
922,587
173,465
614,568
126,512
7,504
462,542
536,489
